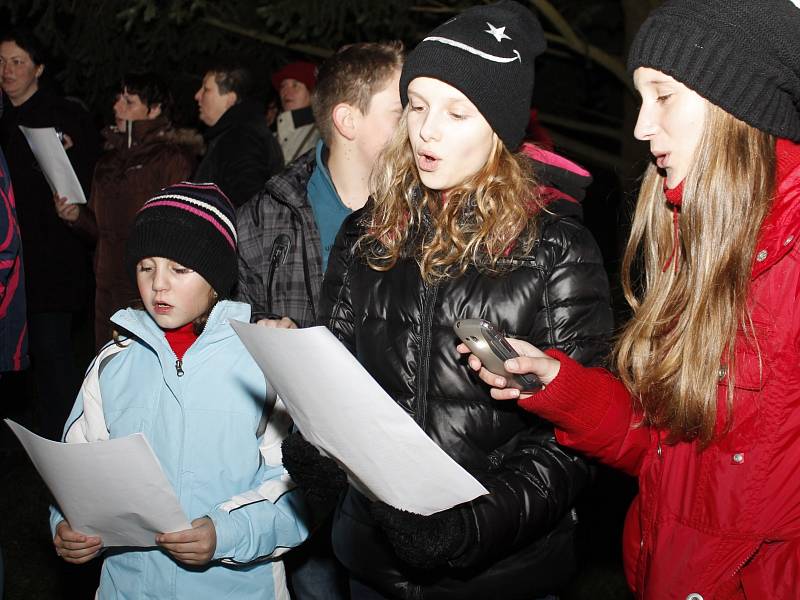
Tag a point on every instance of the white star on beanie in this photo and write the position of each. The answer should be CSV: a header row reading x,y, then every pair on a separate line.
x,y
499,33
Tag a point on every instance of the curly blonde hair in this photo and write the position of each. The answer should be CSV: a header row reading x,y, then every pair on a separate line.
x,y
487,217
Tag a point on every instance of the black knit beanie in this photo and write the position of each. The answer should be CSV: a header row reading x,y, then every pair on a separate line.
x,y
192,224
487,53
742,55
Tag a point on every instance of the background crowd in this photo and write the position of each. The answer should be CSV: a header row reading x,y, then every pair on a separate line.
x,y
385,193
295,167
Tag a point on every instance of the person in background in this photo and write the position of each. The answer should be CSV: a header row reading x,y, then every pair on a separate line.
x,y
297,133
58,279
287,231
145,153
242,152
206,415
703,406
13,326
461,225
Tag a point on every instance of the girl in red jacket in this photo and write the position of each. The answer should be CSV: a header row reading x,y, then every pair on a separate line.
x,y
704,405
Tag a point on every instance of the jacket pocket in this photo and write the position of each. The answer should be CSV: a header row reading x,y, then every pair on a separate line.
x,y
769,572
123,571
752,365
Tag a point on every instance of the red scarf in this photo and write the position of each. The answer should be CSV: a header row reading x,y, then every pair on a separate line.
x,y
180,339
674,199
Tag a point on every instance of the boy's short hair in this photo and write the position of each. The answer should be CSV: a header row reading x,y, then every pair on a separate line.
x,y
353,75
232,77
151,89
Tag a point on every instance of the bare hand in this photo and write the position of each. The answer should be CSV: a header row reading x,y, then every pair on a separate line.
x,y
66,141
75,547
68,212
531,360
282,323
193,546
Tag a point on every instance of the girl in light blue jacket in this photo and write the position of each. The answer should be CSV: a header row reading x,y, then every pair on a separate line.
x,y
182,377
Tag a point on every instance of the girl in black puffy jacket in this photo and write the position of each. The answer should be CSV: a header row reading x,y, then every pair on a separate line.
x,y
459,227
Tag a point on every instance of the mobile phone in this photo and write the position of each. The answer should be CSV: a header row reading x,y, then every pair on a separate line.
x,y
490,346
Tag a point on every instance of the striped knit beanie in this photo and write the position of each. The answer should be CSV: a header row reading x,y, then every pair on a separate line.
x,y
742,55
192,224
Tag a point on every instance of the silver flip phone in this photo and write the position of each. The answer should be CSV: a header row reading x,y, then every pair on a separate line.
x,y
489,345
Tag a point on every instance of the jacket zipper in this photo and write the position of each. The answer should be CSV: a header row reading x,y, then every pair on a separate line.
x,y
179,361
428,301
657,463
747,559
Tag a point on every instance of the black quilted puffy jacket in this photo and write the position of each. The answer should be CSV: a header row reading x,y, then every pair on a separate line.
x,y
400,329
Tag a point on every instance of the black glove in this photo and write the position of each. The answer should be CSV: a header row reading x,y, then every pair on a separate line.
x,y
318,476
425,542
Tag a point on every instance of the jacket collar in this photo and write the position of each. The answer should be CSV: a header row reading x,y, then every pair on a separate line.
x,y
558,176
33,109
235,115
290,184
140,132
782,226
143,327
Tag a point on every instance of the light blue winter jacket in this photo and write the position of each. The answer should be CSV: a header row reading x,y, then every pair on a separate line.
x,y
206,429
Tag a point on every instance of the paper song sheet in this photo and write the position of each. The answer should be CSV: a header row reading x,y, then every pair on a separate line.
x,y
114,489
343,411
55,165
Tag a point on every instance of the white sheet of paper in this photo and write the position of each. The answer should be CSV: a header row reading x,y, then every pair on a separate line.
x,y
343,411
55,165
114,488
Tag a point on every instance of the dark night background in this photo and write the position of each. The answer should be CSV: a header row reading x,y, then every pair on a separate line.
x,y
583,94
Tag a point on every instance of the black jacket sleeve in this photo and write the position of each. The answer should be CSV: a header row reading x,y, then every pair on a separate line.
x,y
575,315
532,489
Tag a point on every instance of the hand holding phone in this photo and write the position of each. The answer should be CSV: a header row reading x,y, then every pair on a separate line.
x,y
488,344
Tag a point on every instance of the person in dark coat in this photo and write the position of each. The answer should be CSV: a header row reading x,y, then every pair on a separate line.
x,y
462,225
56,260
144,154
13,326
242,152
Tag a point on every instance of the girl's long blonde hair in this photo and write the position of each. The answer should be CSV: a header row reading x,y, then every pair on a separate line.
x,y
680,340
481,220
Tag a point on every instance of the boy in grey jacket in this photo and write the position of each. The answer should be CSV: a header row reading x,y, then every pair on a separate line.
x,y
286,232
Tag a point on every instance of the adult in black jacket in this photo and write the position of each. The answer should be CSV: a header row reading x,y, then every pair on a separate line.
x,y
57,262
242,153
460,227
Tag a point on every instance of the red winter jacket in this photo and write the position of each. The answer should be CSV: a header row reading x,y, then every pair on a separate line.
x,y
723,522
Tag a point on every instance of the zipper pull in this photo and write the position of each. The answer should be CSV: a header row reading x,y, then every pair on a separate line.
x,y
179,367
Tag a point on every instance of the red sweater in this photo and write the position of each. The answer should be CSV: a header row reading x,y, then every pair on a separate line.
x,y
723,522
180,339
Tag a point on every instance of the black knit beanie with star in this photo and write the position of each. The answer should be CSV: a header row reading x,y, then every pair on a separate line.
x,y
487,53
742,55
